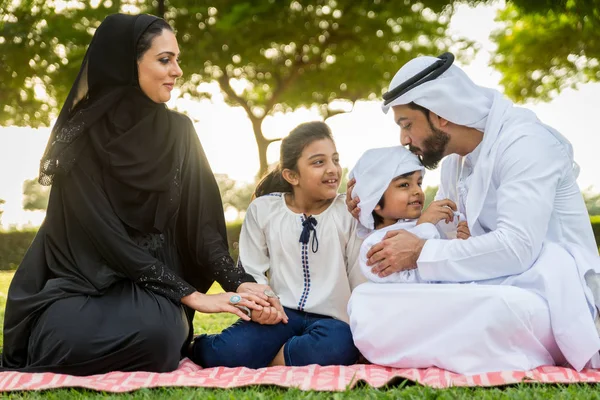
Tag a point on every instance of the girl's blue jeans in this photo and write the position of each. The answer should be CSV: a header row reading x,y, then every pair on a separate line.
x,y
308,339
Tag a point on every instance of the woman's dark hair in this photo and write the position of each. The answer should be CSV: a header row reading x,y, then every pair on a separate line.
x,y
377,219
145,42
291,150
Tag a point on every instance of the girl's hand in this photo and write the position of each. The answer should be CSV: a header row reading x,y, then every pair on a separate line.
x,y
352,203
216,303
268,316
260,290
463,232
437,211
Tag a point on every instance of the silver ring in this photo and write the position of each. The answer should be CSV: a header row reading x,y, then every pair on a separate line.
x,y
270,293
246,310
234,299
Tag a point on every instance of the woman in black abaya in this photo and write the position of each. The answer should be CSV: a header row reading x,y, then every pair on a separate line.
x,y
134,232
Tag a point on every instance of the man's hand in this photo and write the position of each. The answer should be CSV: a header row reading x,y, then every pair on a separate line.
x,y
437,211
352,203
398,251
259,290
462,231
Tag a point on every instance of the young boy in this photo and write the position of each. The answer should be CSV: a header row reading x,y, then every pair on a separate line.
x,y
388,184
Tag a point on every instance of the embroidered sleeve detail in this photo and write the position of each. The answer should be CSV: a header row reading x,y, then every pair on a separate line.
x,y
229,274
159,279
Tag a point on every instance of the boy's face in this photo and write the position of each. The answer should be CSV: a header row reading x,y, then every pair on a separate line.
x,y
403,199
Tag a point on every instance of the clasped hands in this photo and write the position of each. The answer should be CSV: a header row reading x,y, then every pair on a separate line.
x,y
270,314
264,309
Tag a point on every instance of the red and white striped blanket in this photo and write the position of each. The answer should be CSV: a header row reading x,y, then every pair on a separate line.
x,y
313,377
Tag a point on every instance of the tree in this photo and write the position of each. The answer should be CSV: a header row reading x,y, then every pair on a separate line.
x,y
234,194
270,56
266,55
35,196
546,46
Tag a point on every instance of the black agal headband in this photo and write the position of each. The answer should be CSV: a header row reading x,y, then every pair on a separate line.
x,y
428,74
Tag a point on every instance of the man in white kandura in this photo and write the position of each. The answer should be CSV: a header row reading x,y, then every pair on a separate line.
x,y
531,260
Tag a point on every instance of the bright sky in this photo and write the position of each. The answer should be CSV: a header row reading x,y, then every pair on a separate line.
x,y
226,133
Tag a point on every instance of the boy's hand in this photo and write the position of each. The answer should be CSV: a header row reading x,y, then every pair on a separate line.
x,y
437,211
463,232
267,316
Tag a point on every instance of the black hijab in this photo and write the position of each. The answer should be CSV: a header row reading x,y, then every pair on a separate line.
x,y
133,137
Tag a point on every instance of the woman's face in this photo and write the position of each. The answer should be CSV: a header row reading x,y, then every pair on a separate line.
x,y
158,69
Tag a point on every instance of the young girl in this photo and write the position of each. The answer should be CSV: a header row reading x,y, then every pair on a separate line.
x,y
299,238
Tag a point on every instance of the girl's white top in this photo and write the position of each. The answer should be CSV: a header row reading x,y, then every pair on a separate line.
x,y
318,282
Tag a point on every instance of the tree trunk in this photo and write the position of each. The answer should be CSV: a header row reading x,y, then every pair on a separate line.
x,y
262,144
161,8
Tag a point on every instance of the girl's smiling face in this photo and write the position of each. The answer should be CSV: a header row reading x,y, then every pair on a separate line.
x,y
318,171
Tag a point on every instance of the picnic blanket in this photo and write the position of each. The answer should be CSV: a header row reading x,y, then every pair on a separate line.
x,y
312,377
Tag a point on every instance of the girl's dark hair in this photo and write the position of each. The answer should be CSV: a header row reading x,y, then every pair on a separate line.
x,y
145,42
291,150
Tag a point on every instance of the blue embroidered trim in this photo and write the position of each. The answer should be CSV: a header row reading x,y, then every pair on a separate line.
x,y
275,194
306,272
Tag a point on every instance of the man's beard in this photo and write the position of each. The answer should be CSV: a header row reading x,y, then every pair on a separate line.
x,y
433,147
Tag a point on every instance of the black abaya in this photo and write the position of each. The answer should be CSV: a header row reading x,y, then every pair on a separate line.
x,y
93,295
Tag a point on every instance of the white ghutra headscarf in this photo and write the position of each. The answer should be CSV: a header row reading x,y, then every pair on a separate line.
x,y
374,172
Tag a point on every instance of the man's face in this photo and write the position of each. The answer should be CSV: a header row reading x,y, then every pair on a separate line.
x,y
422,138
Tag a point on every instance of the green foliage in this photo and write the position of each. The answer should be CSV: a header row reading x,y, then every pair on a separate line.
x,y
234,194
35,196
233,237
41,48
430,192
13,245
266,55
1,211
592,202
344,181
546,46
596,227
284,49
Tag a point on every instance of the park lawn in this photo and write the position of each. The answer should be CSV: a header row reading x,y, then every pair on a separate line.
x,y
405,390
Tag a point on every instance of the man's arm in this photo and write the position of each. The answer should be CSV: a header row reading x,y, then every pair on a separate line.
x,y
525,197
529,171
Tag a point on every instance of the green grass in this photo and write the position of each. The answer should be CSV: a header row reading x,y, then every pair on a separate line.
x,y
400,390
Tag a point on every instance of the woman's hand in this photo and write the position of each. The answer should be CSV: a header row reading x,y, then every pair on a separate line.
x,y
352,203
437,211
260,290
215,303
462,231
